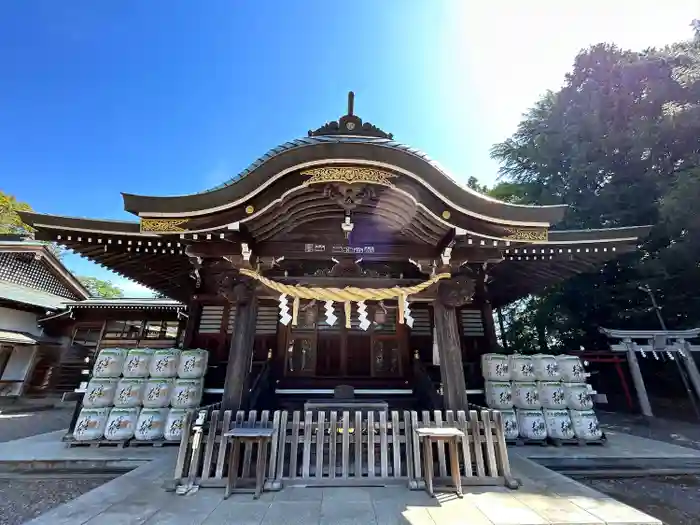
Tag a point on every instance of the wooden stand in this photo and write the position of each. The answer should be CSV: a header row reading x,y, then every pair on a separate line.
x,y
435,435
261,436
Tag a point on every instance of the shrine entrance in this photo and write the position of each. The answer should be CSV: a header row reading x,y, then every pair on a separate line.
x,y
316,349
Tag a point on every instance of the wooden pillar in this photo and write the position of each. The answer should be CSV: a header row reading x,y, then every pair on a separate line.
x,y
240,352
193,313
482,296
638,380
451,295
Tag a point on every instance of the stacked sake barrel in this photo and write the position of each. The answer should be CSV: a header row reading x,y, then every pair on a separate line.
x,y
141,393
541,396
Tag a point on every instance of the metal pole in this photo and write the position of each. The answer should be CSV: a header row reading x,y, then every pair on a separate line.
x,y
691,394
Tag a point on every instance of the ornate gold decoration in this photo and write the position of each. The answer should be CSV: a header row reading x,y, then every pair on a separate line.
x,y
446,214
163,225
348,175
249,209
527,234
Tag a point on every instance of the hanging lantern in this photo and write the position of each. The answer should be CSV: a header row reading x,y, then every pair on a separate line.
x,y
380,313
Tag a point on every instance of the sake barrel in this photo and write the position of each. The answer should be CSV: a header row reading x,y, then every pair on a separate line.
x,y
559,425
585,424
578,396
521,368
552,394
174,423
546,367
164,363
156,392
571,369
100,392
90,424
531,424
129,392
510,424
193,364
499,394
121,423
495,367
137,362
150,425
187,393
109,363
526,395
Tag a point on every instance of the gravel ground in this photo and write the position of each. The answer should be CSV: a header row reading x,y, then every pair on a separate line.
x,y
666,430
25,424
675,500
22,500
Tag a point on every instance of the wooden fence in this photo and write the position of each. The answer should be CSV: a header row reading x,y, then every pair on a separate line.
x,y
329,448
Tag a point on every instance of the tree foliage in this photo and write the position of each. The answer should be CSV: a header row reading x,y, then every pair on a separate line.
x,y
100,288
10,221
620,144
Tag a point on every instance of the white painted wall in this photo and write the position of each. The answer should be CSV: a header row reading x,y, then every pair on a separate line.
x,y
18,321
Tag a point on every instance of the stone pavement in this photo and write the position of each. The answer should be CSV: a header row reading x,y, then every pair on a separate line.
x,y
545,498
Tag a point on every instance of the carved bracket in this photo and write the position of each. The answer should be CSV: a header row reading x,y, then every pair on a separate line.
x,y
457,291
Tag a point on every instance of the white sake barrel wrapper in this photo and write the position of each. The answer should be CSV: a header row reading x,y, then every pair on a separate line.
x,y
552,394
546,367
109,362
531,424
174,423
499,394
157,392
559,424
571,369
521,367
100,392
187,393
150,425
91,424
586,425
164,363
121,423
526,395
510,424
578,396
193,364
129,392
137,362
495,367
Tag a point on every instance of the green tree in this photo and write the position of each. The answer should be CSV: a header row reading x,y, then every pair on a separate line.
x,y
10,221
618,144
100,288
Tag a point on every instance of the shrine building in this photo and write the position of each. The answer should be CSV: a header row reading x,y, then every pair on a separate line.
x,y
343,258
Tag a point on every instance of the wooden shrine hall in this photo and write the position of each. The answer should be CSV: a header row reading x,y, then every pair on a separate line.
x,y
341,259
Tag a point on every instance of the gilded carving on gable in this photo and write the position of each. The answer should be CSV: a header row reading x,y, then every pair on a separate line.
x,y
527,234
163,225
348,175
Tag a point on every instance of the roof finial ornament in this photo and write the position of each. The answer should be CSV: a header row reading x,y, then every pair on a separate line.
x,y
350,124
351,103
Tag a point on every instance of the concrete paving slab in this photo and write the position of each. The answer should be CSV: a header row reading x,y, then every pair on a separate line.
x,y
292,513
337,511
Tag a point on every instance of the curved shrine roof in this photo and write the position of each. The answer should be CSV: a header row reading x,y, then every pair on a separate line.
x,y
350,142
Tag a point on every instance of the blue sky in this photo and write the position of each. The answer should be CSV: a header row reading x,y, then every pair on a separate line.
x,y
167,97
